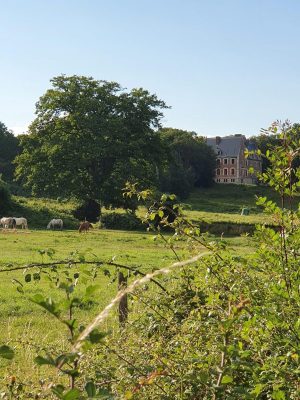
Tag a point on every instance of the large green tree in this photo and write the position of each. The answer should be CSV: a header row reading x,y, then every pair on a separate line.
x,y
191,162
89,138
8,151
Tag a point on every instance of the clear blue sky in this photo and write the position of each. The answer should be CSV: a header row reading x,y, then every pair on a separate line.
x,y
224,66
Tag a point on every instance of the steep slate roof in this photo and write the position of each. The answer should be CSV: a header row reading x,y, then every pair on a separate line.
x,y
230,146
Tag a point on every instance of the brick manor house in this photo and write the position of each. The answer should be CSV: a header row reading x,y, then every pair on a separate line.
x,y
232,166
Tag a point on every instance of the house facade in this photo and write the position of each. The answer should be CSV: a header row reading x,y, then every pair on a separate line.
x,y
232,165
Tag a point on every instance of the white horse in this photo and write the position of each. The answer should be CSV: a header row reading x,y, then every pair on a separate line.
x,y
8,222
55,223
21,222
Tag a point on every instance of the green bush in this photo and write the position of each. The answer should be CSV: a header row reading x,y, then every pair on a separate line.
x,y
89,211
127,222
5,199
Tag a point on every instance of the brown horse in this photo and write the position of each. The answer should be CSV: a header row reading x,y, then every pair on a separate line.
x,y
85,226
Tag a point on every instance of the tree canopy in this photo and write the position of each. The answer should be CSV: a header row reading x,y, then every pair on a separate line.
x,y
191,162
89,138
9,150
267,140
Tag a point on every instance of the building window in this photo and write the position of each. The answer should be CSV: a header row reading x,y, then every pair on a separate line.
x,y
225,161
225,180
218,171
225,171
218,161
232,180
232,161
232,171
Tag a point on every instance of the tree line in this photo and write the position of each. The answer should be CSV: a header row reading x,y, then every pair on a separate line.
x,y
90,137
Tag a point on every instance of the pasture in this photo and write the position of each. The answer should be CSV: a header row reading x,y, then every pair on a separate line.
x,y
218,204
28,327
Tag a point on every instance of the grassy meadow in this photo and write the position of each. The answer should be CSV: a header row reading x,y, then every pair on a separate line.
x,y
218,204
29,328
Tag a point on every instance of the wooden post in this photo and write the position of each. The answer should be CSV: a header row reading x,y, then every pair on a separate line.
x,y
123,305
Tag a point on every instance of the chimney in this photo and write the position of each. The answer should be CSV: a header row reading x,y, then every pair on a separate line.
x,y
218,139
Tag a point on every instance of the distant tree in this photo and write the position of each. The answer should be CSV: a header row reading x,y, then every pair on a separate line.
x,y
191,163
8,151
5,198
266,141
263,143
89,138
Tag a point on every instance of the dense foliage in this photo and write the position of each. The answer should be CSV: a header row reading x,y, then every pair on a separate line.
x,y
89,138
267,140
230,328
191,163
8,151
125,221
5,198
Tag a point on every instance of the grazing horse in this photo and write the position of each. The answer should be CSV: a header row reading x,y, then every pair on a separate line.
x,y
8,222
21,222
85,226
55,223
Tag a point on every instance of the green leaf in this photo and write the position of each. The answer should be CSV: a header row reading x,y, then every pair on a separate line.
x,y
72,394
91,290
278,395
20,289
258,389
6,352
90,388
58,390
227,379
47,304
96,336
39,360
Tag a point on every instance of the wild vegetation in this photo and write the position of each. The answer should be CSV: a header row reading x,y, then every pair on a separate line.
x,y
214,324
9,150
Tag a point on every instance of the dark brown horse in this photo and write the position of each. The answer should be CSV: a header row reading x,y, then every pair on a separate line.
x,y
85,226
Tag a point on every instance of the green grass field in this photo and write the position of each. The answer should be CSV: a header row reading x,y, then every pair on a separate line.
x,y
26,326
29,328
220,203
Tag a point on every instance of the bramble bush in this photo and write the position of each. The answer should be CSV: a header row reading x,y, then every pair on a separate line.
x,y
215,326
229,326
